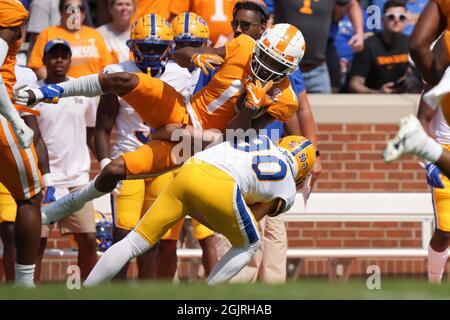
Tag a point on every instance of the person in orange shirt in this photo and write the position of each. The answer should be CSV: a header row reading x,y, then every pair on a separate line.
x,y
217,14
236,89
90,53
18,160
159,7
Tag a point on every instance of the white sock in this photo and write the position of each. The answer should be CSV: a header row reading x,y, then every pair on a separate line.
x,y
113,260
87,193
70,203
231,263
24,275
436,264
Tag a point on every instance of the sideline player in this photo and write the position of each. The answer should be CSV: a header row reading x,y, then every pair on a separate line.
x,y
18,161
252,170
247,63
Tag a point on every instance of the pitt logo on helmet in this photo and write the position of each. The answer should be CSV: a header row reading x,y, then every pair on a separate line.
x,y
151,42
190,29
301,155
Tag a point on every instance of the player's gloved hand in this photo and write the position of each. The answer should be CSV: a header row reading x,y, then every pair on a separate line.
x,y
49,195
433,175
206,61
23,133
257,96
49,189
48,94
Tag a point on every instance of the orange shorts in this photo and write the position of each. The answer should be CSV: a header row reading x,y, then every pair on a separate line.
x,y
19,170
153,157
156,102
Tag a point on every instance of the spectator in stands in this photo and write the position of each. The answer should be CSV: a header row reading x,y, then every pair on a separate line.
x,y
313,19
353,13
413,10
383,66
67,129
43,14
117,32
90,53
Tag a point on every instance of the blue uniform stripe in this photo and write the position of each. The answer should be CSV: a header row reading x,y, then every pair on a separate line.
x,y
301,147
249,228
186,22
153,24
113,209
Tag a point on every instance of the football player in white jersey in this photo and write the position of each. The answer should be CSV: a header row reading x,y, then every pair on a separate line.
x,y
216,185
189,30
134,197
437,127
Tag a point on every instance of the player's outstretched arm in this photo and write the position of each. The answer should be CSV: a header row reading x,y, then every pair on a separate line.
x,y
430,25
93,85
205,58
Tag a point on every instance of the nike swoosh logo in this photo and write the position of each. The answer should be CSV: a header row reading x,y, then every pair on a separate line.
x,y
400,142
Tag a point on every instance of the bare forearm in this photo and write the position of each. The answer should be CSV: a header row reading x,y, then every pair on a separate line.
x,y
357,87
355,16
39,145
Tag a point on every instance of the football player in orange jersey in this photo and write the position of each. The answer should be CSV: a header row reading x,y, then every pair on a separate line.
x,y
18,161
256,72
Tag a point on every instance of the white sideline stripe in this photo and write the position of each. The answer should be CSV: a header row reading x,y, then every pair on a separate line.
x,y
293,253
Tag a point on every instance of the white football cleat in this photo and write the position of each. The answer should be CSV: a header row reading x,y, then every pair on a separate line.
x,y
410,139
60,209
22,132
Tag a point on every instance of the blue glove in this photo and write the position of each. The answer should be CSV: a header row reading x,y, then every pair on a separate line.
x,y
51,93
49,196
433,176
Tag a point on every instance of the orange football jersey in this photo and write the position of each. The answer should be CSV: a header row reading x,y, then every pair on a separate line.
x,y
12,14
215,104
89,51
217,13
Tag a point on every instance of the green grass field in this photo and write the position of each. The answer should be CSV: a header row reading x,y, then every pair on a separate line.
x,y
304,289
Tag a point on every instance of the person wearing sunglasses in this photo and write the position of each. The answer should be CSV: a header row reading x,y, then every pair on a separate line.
x,y
383,66
90,53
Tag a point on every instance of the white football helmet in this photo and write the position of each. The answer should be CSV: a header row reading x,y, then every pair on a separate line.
x,y
277,53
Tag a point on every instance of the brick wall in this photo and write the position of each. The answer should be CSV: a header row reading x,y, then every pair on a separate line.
x,y
351,144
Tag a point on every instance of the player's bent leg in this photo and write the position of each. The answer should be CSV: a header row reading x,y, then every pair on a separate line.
x,y
27,234
437,255
232,262
116,257
412,139
9,249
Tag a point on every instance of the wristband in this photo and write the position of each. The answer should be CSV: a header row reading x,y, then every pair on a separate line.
x,y
47,180
104,163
